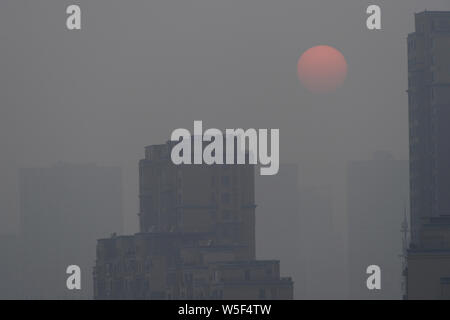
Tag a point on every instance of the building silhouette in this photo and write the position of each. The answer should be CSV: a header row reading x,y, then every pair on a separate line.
x,y
310,244
321,245
428,262
10,267
277,197
377,194
196,239
429,115
63,210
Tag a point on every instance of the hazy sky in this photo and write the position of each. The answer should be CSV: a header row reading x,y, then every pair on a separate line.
x,y
139,69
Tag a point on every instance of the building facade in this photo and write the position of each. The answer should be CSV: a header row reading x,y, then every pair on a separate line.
x,y
428,268
429,115
377,197
321,245
64,209
280,193
215,199
196,240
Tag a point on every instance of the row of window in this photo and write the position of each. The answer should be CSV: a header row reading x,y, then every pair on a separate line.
x,y
225,181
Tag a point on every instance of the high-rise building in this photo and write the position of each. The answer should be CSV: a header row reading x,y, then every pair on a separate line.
x,y
196,239
63,210
309,245
321,245
377,197
429,116
277,197
214,199
428,258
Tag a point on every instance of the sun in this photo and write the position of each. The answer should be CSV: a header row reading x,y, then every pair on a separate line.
x,y
322,69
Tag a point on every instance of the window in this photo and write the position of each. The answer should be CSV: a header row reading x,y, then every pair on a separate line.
x,y
262,294
226,233
226,214
226,198
273,293
188,278
225,181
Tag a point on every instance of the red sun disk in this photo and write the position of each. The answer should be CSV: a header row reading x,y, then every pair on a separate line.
x,y
322,69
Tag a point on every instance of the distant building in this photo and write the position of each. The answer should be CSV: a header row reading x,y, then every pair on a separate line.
x,y
428,262
10,267
277,197
63,210
321,247
377,194
197,238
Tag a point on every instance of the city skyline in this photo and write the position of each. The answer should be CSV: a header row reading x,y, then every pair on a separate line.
x,y
354,155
